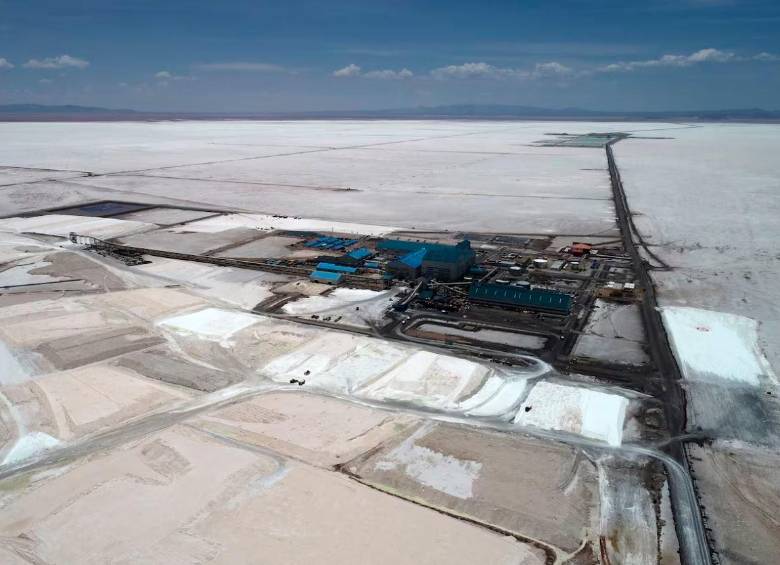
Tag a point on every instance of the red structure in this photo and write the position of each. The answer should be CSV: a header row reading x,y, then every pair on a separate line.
x,y
579,249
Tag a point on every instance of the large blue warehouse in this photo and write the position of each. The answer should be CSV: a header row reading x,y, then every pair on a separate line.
x,y
539,298
431,260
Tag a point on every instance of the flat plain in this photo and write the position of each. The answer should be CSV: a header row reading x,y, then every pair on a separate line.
x,y
128,389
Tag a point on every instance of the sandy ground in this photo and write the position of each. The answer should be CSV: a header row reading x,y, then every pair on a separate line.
x,y
67,333
302,286
543,490
55,270
613,334
318,430
189,242
150,304
268,247
165,365
524,341
740,490
70,404
49,382
14,247
61,225
164,216
107,508
628,520
10,175
240,287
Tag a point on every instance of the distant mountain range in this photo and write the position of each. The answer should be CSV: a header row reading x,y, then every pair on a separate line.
x,y
67,109
38,112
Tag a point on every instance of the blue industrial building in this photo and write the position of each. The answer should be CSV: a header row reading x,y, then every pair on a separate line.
x,y
325,277
329,242
336,268
538,298
360,253
431,260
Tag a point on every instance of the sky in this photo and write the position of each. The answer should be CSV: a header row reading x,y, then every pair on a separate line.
x,y
307,55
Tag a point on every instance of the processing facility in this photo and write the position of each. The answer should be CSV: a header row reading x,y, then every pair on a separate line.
x,y
433,261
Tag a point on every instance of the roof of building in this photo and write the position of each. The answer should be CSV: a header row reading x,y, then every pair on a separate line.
x,y
330,242
338,260
538,297
360,253
437,252
325,276
336,268
415,258
400,244
449,253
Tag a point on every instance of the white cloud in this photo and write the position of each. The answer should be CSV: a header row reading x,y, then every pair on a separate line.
x,y
60,62
389,74
552,68
5,63
486,70
350,70
167,75
709,55
478,70
242,66
764,56
466,70
353,70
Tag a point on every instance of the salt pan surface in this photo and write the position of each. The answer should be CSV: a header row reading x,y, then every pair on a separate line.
x,y
577,410
14,247
20,275
11,369
29,445
377,370
342,302
267,222
440,471
504,399
241,287
436,381
495,336
61,225
211,323
716,345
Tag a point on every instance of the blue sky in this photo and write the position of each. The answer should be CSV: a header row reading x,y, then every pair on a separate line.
x,y
238,56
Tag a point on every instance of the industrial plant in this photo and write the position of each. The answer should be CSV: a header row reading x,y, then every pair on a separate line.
x,y
488,295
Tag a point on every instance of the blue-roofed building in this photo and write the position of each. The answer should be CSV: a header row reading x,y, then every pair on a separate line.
x,y
537,298
325,277
330,242
360,253
408,266
431,260
336,268
401,245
